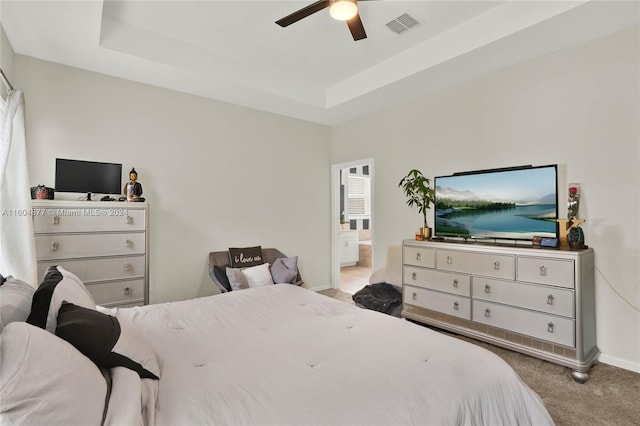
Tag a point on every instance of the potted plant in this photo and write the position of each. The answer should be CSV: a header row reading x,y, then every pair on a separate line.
x,y
419,194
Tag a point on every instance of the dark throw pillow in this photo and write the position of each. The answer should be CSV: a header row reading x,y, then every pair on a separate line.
x,y
220,272
244,257
102,339
58,285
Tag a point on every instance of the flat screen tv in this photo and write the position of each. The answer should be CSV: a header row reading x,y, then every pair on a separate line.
x,y
515,203
88,177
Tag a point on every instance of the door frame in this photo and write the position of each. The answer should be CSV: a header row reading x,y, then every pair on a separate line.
x,y
335,213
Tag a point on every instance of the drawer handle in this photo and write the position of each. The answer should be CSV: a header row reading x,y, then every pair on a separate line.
x,y
449,260
414,276
550,327
455,306
127,291
414,296
418,256
543,271
54,246
487,313
550,299
128,266
496,265
55,219
487,288
455,283
129,220
128,243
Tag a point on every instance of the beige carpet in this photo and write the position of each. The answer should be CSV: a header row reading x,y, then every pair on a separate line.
x,y
611,396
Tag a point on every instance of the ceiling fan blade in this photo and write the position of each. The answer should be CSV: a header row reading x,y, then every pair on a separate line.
x,y
356,28
302,13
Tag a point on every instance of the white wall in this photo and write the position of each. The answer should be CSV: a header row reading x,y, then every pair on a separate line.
x,y
579,108
216,175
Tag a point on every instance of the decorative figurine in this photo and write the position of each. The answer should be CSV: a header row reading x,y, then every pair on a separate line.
x,y
570,232
133,189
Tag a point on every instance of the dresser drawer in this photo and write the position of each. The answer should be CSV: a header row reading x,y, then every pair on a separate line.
x,y
436,280
117,292
551,300
89,219
66,246
536,324
436,301
419,256
486,264
100,269
543,270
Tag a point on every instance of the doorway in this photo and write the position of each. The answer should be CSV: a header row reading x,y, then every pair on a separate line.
x,y
352,225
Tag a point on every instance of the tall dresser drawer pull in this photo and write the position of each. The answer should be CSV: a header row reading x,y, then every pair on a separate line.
x,y
455,306
414,276
128,266
449,260
129,220
127,291
550,299
543,271
418,256
550,327
54,246
496,265
55,220
455,283
128,243
487,288
414,296
487,313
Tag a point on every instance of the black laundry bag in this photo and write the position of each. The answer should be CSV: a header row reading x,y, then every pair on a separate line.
x,y
380,297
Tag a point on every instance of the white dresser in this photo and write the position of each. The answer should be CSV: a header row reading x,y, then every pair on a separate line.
x,y
532,300
103,243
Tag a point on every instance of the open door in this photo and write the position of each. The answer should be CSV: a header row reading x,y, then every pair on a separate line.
x,y
352,225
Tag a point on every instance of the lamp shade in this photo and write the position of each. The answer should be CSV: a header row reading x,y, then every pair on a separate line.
x,y
343,10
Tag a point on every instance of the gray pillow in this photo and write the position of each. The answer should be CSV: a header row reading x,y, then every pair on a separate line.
x,y
15,301
285,270
237,280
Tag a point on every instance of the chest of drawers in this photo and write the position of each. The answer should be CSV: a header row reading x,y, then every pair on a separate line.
x,y
103,243
537,301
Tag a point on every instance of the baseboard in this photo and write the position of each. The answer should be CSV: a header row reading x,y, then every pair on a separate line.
x,y
316,289
621,363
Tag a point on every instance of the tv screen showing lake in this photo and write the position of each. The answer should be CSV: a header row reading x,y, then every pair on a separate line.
x,y
510,204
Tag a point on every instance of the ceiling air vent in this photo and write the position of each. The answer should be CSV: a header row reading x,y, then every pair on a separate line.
x,y
402,23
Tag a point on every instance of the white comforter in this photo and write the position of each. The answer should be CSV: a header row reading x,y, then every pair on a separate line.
x,y
280,355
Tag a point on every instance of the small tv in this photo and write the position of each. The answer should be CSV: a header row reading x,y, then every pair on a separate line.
x,y
89,177
515,203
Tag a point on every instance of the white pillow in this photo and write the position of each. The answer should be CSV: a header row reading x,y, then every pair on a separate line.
x,y
15,301
58,285
237,280
259,275
45,380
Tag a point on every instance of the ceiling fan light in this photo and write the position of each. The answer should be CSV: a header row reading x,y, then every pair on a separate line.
x,y
343,10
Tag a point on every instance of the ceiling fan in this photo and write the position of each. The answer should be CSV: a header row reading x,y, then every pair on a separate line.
x,y
342,10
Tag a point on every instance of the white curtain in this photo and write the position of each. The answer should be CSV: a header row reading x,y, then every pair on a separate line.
x,y
17,244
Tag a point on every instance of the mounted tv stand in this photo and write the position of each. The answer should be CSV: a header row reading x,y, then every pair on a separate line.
x,y
537,301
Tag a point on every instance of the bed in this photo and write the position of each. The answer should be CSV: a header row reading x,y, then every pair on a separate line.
x,y
283,355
